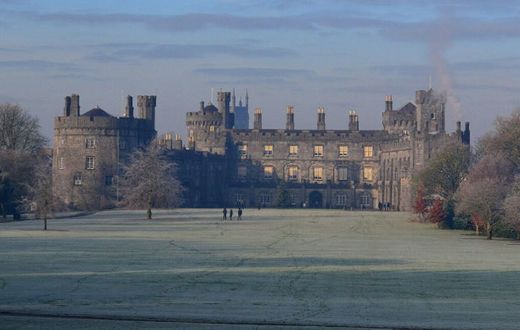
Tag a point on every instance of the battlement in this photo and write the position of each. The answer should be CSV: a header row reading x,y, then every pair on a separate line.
x,y
203,119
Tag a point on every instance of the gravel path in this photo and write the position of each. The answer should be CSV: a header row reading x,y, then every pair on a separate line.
x,y
287,269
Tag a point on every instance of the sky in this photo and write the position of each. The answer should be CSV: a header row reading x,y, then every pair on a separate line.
x,y
343,55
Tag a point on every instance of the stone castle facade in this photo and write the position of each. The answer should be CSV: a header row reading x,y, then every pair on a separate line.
x,y
222,165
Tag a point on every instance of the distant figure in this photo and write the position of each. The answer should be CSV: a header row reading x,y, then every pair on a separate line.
x,y
224,213
380,206
230,214
239,214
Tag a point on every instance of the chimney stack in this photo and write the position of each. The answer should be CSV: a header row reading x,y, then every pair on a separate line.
x,y
258,119
321,119
466,134
74,105
353,123
290,118
388,103
66,110
129,108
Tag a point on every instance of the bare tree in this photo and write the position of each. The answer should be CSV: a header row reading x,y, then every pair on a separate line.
x,y
485,189
443,176
512,207
19,131
149,181
20,144
446,171
505,138
40,195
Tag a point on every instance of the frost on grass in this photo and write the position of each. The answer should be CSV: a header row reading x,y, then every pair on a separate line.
x,y
296,267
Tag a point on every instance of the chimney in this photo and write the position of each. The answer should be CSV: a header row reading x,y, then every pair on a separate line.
x,y
74,105
321,119
388,103
66,110
258,119
353,121
129,108
466,134
201,106
290,118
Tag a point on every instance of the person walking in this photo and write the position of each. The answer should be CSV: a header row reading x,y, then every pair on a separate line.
x,y
230,214
239,214
224,213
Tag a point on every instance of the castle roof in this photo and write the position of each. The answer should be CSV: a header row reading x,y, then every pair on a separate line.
x,y
210,108
97,112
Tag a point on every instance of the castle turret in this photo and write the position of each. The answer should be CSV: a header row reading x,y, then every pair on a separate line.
x,y
66,110
74,105
129,107
290,118
430,112
321,119
258,119
146,106
353,121
388,103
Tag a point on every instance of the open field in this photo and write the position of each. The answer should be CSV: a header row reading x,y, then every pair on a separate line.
x,y
275,269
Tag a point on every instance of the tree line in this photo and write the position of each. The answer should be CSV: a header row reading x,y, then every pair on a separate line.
x,y
147,181
475,188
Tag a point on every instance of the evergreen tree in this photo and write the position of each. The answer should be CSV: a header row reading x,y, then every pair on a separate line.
x,y
283,197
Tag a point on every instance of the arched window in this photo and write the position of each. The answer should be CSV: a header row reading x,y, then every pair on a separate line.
x,y
293,173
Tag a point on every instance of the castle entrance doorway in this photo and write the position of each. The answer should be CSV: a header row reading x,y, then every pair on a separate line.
x,y
315,199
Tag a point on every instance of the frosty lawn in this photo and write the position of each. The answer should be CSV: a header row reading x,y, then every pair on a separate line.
x,y
275,268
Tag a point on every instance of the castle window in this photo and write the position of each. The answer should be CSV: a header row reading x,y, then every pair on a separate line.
x,y
239,199
341,199
242,171
293,173
317,173
109,180
318,151
268,150
62,141
368,173
368,151
122,144
365,201
343,151
242,150
212,129
265,199
432,116
90,143
61,163
293,150
268,172
342,173
89,163
78,179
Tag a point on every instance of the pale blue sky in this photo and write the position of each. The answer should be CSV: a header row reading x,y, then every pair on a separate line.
x,y
342,55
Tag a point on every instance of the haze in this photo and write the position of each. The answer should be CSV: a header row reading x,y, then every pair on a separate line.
x,y
343,55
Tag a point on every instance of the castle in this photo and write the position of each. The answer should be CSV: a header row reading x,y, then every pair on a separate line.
x,y
222,165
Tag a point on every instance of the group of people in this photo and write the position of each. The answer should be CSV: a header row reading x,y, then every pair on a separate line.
x,y
225,213
386,206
